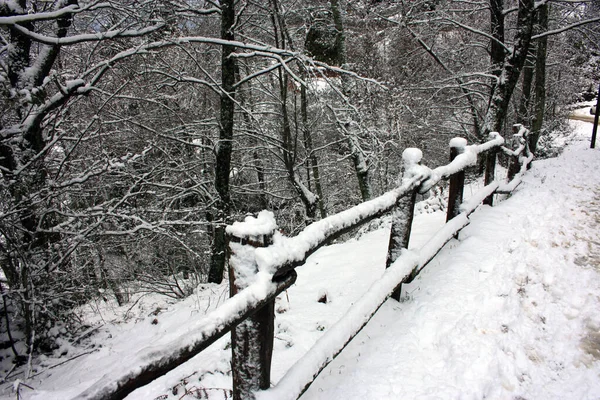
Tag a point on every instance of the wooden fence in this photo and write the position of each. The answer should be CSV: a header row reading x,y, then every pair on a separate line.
x,y
262,265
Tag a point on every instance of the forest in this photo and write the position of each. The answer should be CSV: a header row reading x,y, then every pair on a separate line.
x,y
132,132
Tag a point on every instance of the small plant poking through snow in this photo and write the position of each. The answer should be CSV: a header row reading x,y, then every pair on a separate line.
x,y
323,298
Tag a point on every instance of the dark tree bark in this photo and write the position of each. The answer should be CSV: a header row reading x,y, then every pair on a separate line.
x,y
524,115
498,51
289,147
540,79
511,69
225,146
359,160
312,157
24,73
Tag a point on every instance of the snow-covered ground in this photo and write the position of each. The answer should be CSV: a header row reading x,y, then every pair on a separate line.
x,y
507,311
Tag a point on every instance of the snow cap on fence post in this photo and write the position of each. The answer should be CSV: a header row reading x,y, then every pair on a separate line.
x,y
516,128
520,134
411,156
459,144
244,238
263,224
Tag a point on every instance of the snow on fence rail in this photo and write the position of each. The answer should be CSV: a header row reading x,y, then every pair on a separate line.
x,y
520,159
262,263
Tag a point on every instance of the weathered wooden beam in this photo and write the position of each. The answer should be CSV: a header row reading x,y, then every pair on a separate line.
x,y
457,180
490,168
303,373
153,363
329,229
596,115
324,231
252,339
402,217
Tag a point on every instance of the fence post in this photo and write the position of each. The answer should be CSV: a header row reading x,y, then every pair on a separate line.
x,y
457,181
251,340
527,151
514,165
490,168
596,114
402,217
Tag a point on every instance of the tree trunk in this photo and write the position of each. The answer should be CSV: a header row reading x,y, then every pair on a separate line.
x,y
247,106
511,69
524,115
288,142
260,176
497,30
225,146
312,157
540,79
289,157
359,160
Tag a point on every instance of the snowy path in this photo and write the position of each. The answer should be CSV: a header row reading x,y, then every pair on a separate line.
x,y
509,311
583,114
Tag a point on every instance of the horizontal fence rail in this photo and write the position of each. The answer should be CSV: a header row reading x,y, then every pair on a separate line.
x,y
262,262
288,253
154,361
300,376
520,159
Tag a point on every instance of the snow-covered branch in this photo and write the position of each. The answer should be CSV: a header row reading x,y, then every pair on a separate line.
x,y
479,32
89,37
260,72
281,62
180,41
50,15
343,71
565,28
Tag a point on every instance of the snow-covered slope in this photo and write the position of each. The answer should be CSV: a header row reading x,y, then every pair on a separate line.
x,y
507,311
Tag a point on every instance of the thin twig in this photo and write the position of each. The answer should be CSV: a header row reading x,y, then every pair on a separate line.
x,y
8,373
64,362
134,304
86,333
